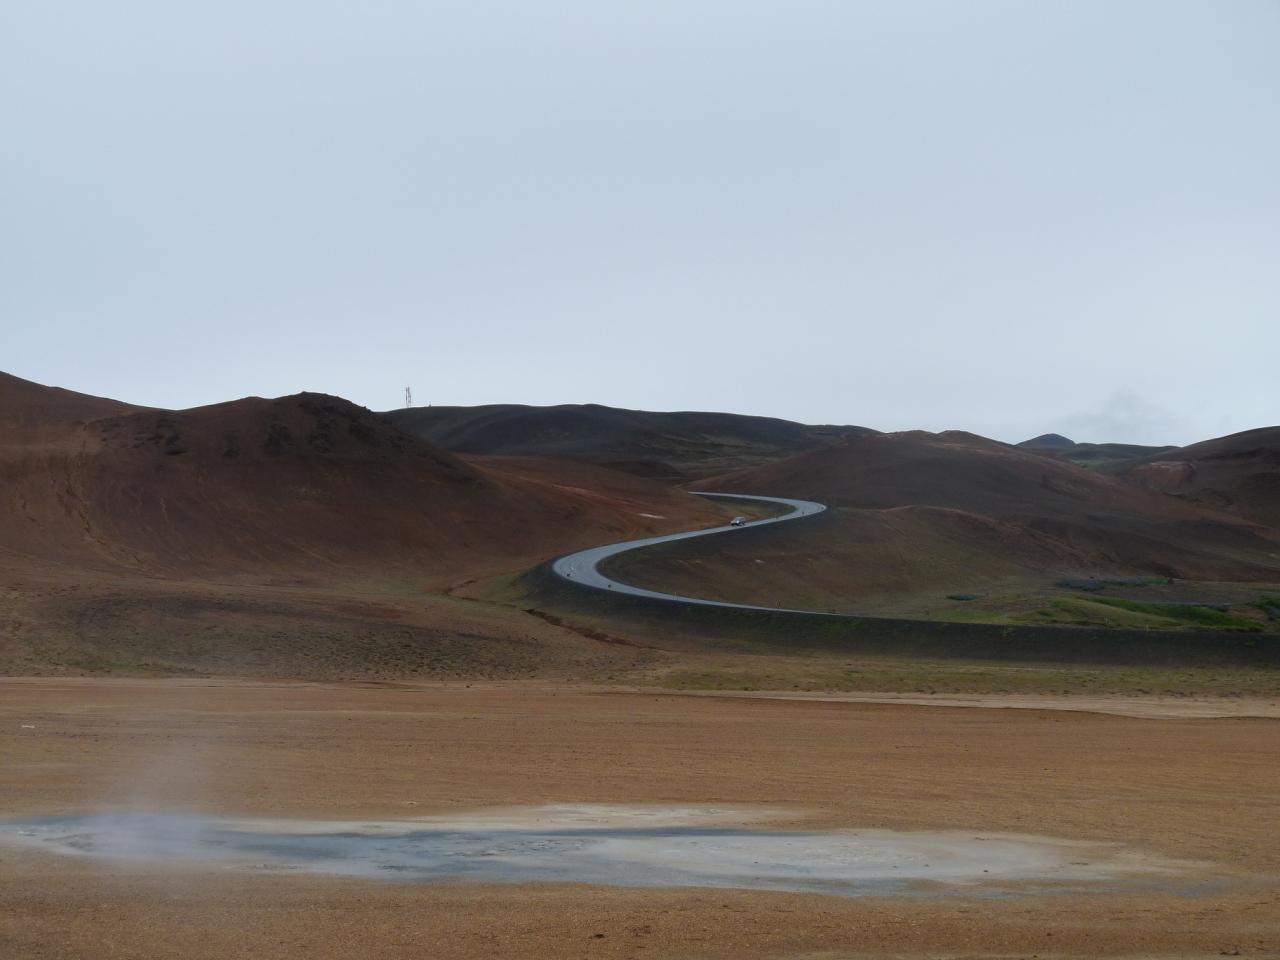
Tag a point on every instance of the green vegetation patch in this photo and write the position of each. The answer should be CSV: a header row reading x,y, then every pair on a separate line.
x,y
1081,612
1095,611
1200,615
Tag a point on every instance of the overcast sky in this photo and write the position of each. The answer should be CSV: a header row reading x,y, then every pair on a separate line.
x,y
1006,217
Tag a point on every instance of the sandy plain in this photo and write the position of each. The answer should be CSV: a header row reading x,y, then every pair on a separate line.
x,y
1194,789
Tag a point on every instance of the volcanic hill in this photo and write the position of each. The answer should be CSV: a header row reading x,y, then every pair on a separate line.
x,y
1090,454
130,529
670,446
1239,473
917,516
302,481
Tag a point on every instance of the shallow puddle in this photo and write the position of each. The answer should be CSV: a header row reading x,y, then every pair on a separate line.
x,y
635,847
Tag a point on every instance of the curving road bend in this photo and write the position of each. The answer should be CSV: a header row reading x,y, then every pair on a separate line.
x,y
583,567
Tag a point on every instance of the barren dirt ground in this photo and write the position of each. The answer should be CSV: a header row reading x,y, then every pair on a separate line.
x,y
1188,788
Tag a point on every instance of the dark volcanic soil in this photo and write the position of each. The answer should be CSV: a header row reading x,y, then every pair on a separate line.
x,y
671,446
1239,474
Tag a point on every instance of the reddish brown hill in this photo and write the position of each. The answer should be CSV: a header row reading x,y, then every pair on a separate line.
x,y
43,453
918,513
295,481
307,482
957,470
32,414
1239,473
302,536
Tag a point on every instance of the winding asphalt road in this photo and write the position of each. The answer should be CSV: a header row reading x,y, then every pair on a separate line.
x,y
582,567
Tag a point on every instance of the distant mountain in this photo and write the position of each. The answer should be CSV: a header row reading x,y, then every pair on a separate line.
x,y
673,446
1239,473
1089,454
1049,441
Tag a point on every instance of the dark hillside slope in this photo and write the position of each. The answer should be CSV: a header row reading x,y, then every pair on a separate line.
x,y
1239,473
956,470
919,513
32,414
1089,454
667,445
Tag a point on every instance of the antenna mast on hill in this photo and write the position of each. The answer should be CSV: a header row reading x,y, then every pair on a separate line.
x,y
408,398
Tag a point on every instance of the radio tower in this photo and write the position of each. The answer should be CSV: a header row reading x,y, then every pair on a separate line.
x,y
408,398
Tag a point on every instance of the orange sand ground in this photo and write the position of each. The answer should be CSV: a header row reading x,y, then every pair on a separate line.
x,y
1191,789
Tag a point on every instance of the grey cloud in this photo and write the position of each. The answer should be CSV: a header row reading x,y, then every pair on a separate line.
x,y
1124,417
